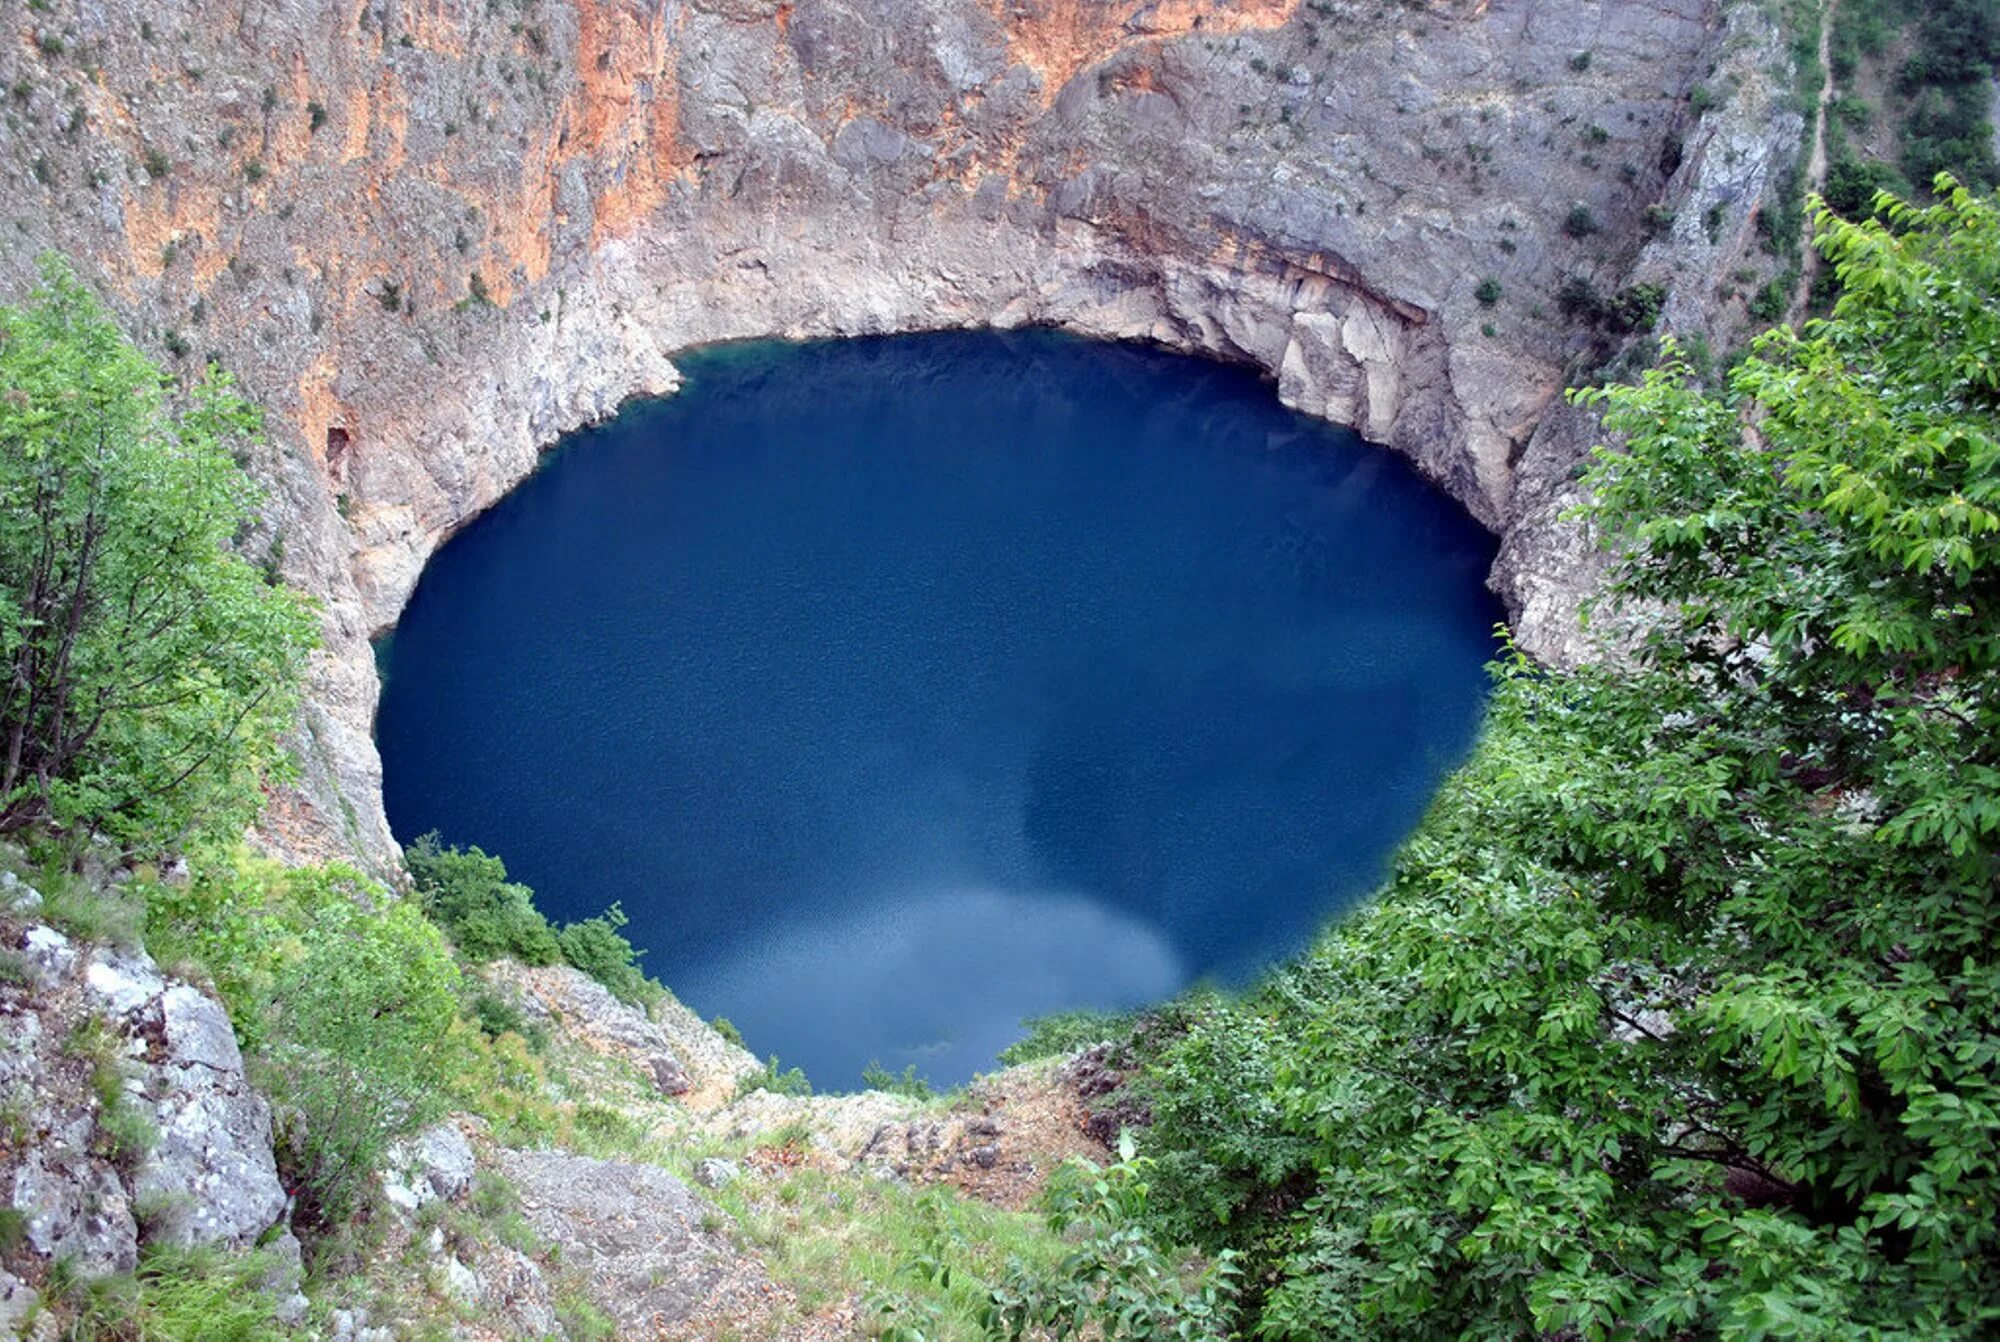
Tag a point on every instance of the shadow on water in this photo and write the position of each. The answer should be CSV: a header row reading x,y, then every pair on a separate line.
x,y
904,687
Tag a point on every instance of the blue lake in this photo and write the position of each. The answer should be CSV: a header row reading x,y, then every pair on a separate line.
x,y
903,688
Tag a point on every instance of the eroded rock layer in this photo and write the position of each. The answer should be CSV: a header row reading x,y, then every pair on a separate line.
x,y
433,236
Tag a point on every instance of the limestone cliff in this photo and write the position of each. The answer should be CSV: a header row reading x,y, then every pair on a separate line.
x,y
433,236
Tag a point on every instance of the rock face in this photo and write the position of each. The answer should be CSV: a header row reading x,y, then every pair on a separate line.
x,y
436,1165
180,1152
433,238
677,1050
655,1253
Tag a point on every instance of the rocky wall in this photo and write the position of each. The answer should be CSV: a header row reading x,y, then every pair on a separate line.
x,y
432,237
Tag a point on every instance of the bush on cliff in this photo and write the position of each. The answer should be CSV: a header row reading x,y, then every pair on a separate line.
x,y
1681,1013
466,891
356,1041
487,916
147,671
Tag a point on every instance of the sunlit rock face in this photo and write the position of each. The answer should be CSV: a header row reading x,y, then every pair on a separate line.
x,y
431,238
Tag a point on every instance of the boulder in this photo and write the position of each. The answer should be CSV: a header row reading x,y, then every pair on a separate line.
x,y
212,1168
17,896
656,1255
76,1207
436,1165
716,1172
668,1075
49,951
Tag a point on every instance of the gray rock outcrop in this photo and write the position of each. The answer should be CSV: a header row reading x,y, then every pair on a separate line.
x,y
190,1161
654,1252
678,1052
436,1165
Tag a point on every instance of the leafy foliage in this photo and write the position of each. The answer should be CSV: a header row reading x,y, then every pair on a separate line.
x,y
147,671
1115,1278
599,949
906,1082
1681,1013
466,891
356,1043
1062,1032
777,1079
468,894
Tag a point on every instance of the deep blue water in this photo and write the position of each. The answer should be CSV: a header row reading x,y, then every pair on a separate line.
x,y
903,688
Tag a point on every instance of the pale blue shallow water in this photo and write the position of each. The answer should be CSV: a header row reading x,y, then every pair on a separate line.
x,y
903,688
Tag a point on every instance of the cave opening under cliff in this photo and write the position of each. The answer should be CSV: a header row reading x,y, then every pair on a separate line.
x,y
901,688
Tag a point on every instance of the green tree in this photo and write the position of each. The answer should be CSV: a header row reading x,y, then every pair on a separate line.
x,y
147,671
1681,1014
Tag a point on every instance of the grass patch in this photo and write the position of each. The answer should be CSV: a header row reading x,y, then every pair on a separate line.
x,y
175,1294
919,1258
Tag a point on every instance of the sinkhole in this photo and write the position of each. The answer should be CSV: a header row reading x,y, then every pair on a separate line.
x,y
902,688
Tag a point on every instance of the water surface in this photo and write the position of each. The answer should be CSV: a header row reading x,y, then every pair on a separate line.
x,y
903,688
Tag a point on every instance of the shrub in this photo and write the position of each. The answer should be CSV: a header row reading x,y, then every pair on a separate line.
x,y
1771,299
355,1045
1488,292
777,1080
466,891
1636,308
1064,1032
599,949
1580,222
1578,299
496,1015
1116,1278
906,1082
1678,1015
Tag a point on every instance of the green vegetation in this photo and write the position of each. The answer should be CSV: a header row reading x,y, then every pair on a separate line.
x,y
776,1079
357,1038
1488,292
1680,1015
174,1294
468,894
599,949
1063,1032
906,1082
123,1131
1115,1275
487,916
148,668
1941,87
